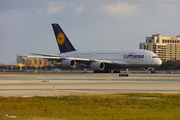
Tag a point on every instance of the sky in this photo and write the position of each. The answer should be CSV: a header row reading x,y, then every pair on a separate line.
x,y
25,25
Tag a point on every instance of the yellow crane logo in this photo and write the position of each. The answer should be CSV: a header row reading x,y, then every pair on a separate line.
x,y
61,38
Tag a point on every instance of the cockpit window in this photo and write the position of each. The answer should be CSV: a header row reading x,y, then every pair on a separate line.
x,y
155,57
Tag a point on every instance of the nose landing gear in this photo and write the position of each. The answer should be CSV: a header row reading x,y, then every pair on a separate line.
x,y
152,69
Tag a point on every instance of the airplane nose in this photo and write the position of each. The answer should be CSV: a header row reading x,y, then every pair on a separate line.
x,y
159,62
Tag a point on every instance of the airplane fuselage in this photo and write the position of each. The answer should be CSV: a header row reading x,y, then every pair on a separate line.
x,y
120,58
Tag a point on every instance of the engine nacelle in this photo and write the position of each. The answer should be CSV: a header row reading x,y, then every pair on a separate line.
x,y
68,63
97,66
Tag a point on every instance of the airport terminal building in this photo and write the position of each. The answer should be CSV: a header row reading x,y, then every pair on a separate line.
x,y
167,48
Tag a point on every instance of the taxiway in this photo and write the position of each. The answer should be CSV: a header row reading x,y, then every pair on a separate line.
x,y
26,85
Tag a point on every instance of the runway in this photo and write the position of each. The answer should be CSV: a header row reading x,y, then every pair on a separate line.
x,y
27,85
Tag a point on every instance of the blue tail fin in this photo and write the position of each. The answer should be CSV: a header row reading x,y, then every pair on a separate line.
x,y
62,40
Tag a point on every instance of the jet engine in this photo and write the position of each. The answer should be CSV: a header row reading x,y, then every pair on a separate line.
x,y
97,66
68,63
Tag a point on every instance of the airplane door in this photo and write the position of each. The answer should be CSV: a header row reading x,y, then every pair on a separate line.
x,y
146,58
120,56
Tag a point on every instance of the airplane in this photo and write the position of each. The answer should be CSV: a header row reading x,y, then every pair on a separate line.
x,y
101,61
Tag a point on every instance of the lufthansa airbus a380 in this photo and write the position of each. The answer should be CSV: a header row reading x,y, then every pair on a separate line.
x,y
99,60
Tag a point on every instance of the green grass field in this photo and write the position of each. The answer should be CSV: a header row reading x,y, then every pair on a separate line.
x,y
130,106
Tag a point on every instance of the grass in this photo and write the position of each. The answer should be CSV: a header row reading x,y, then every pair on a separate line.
x,y
130,106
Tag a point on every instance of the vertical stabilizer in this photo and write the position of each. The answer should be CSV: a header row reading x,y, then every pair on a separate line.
x,y
63,42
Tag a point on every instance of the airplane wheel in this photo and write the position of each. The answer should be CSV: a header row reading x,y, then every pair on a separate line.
x,y
116,71
152,70
107,71
102,71
96,71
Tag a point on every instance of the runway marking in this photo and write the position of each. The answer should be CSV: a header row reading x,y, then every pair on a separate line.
x,y
55,91
108,79
158,80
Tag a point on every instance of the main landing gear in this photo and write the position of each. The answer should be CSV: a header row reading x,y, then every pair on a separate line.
x,y
106,71
102,71
116,71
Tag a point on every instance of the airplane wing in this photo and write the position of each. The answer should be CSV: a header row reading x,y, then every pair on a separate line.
x,y
60,58
84,61
41,54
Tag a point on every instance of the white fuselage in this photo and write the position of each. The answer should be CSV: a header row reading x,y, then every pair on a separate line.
x,y
121,58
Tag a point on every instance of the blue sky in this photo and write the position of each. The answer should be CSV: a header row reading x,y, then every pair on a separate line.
x,y
25,25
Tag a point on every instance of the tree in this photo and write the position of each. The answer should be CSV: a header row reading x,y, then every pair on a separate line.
x,y
169,65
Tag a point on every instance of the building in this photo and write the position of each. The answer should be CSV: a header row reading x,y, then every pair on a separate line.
x,y
166,48
22,61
